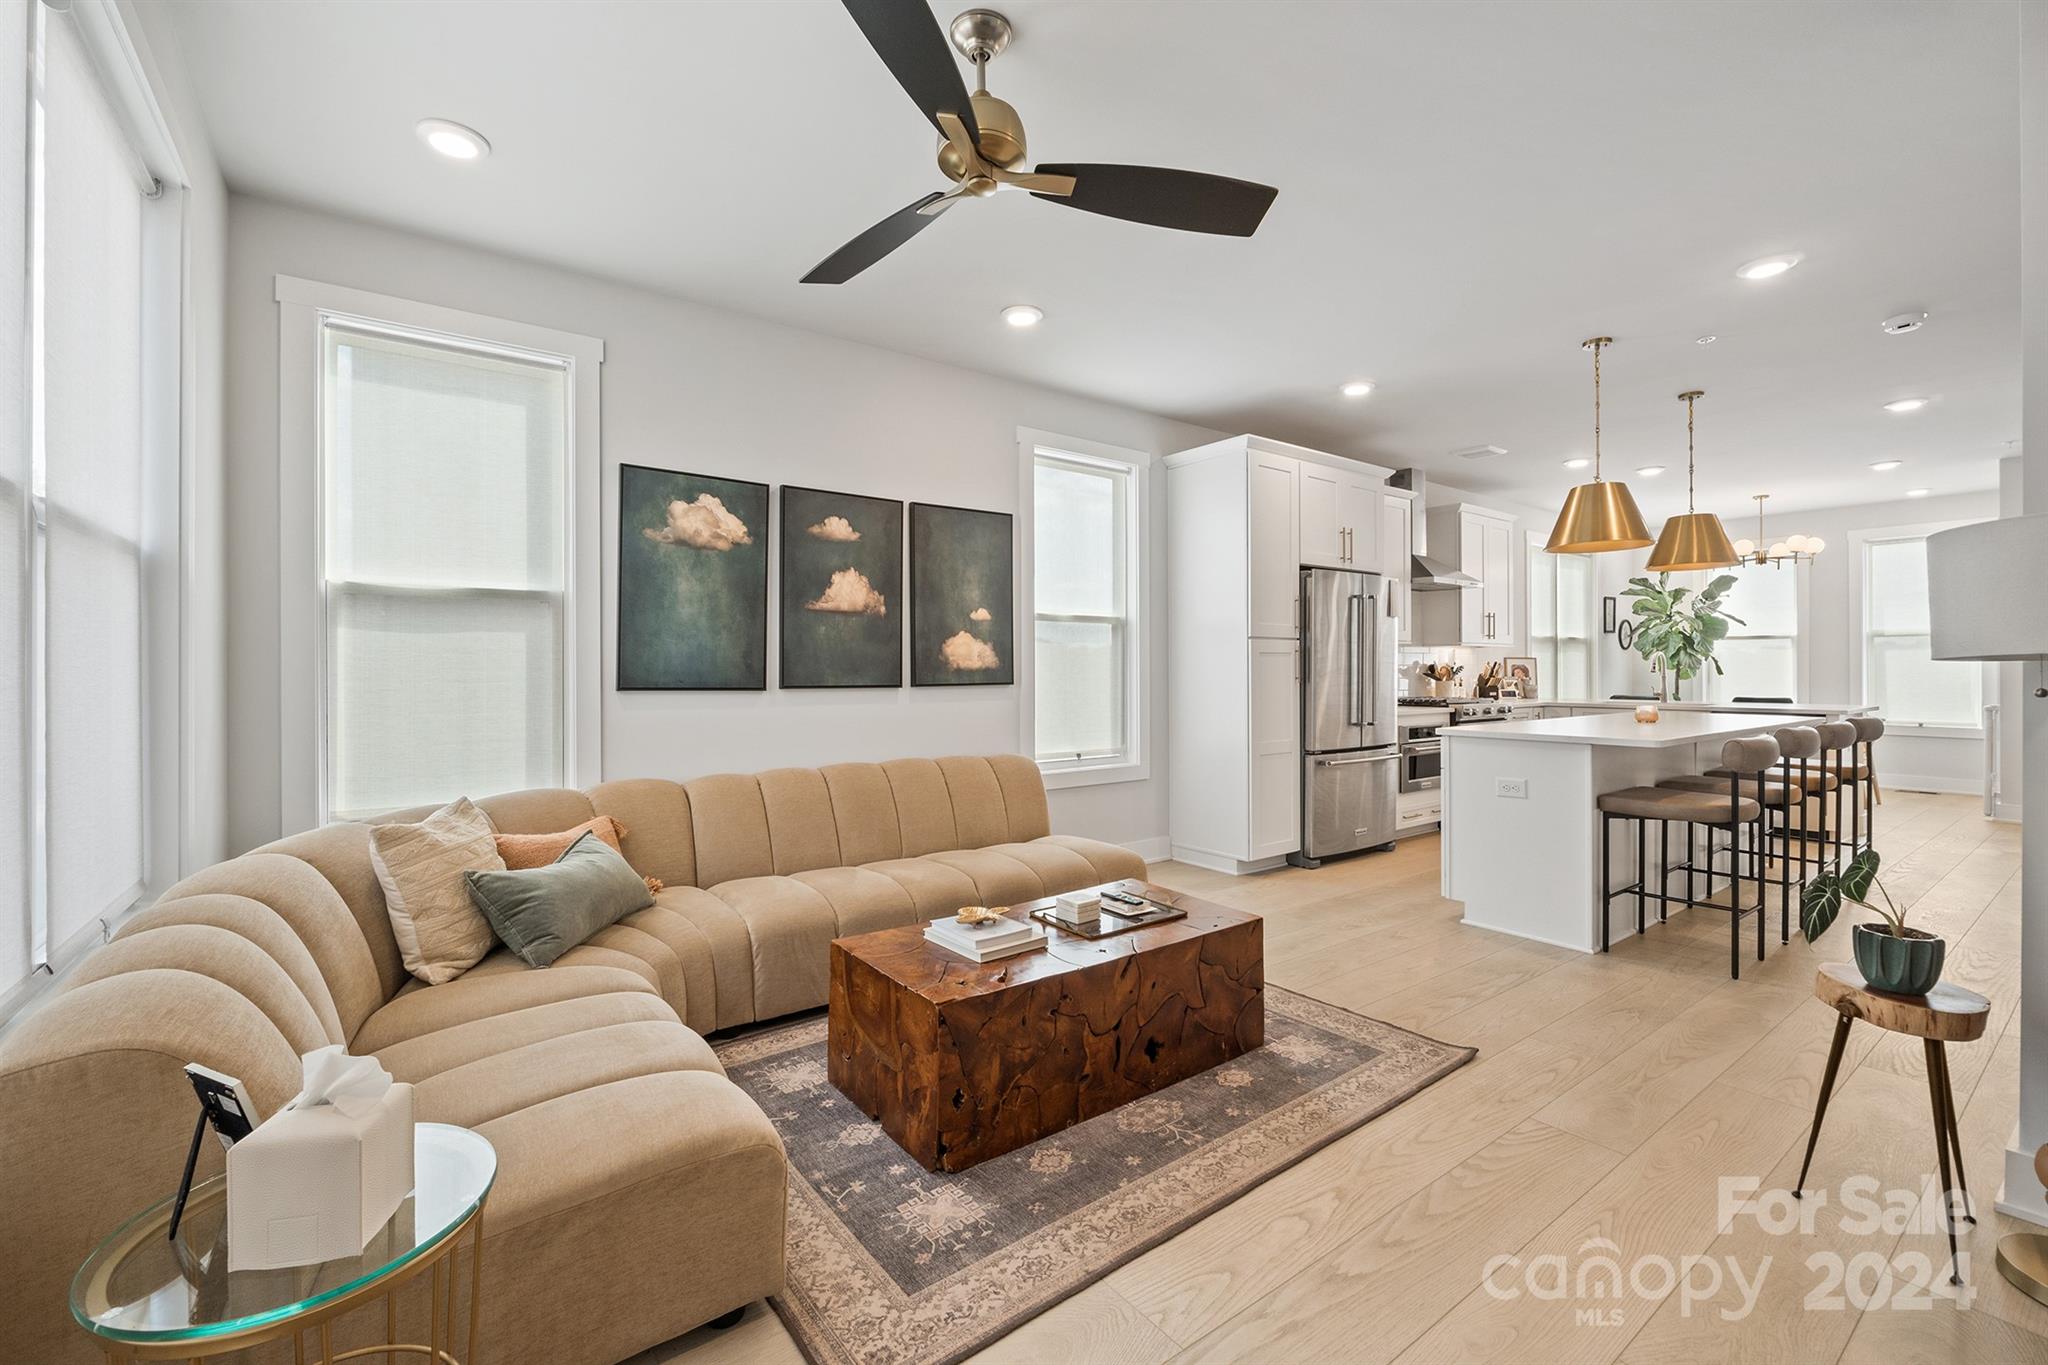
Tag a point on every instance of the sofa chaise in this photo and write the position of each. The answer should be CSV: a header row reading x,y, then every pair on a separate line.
x,y
639,1193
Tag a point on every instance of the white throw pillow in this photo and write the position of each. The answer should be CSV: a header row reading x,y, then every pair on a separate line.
x,y
441,934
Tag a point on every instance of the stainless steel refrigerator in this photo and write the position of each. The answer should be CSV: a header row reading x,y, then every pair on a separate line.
x,y
1349,733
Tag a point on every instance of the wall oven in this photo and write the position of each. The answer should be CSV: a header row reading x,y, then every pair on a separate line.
x,y
1421,759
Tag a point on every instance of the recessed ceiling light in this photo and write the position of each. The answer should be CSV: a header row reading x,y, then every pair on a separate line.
x,y
1357,388
1650,471
1918,492
1023,315
453,140
1898,324
1904,405
1886,466
1769,267
1578,462
1707,340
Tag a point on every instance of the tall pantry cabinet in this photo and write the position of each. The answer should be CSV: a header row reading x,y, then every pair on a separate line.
x,y
1242,517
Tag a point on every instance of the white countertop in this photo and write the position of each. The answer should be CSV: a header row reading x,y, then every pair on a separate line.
x,y
1622,730
1762,708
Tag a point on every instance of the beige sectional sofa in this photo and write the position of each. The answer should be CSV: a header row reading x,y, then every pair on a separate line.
x,y
640,1193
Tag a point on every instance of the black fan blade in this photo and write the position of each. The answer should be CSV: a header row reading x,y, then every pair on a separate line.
x,y
910,43
1188,200
877,242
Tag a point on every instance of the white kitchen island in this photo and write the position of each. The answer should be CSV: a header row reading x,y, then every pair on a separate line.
x,y
1521,832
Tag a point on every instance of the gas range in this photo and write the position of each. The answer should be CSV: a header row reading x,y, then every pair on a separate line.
x,y
1465,710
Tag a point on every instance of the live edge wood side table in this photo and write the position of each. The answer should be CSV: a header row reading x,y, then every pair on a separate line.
x,y
1946,1014
962,1061
144,1296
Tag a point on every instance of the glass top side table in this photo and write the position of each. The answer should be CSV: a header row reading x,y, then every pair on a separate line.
x,y
146,1297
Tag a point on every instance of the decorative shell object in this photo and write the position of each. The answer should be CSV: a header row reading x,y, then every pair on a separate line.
x,y
979,914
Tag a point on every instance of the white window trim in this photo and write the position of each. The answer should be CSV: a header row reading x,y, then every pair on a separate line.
x,y
303,306
1859,626
1138,587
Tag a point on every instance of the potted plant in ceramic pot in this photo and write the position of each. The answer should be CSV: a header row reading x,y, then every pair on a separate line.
x,y
1891,956
1676,629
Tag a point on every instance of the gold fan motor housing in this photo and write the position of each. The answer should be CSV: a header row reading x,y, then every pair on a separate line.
x,y
1001,144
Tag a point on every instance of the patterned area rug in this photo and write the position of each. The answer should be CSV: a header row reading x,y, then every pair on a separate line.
x,y
891,1264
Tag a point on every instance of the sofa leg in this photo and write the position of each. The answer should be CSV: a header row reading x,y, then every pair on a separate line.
x,y
725,1320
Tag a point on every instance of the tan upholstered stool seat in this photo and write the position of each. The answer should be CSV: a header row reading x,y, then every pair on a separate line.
x,y
1664,803
1816,780
1775,793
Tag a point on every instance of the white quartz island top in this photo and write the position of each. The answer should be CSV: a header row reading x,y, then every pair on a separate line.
x,y
1832,710
1622,729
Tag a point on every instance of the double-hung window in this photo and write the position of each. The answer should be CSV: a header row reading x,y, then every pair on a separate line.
x,y
88,491
1900,677
1086,517
1760,656
443,494
1561,621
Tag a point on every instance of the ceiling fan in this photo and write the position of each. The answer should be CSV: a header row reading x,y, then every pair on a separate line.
x,y
982,145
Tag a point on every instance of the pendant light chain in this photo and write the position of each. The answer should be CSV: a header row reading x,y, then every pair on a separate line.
x,y
1596,345
1688,451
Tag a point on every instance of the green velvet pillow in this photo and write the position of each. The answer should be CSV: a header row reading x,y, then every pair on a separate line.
x,y
542,912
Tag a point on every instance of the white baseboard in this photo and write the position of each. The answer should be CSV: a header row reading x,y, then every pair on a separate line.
x,y
2006,810
1154,850
1223,862
1903,782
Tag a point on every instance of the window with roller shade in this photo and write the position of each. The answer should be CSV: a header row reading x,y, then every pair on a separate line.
x,y
83,549
445,496
1900,677
1086,507
1760,655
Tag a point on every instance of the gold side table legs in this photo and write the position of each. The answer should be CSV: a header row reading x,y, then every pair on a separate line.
x,y
444,1288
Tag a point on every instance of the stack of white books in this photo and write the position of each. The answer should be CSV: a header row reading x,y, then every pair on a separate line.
x,y
987,941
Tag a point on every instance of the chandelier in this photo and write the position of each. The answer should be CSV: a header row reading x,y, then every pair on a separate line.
x,y
1790,550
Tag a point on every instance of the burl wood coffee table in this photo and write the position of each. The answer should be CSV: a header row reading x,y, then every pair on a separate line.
x,y
963,1061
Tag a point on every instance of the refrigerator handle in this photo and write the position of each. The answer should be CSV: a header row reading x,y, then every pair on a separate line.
x,y
1353,684
1368,668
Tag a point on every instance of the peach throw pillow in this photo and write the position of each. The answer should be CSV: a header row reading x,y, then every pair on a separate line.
x,y
522,851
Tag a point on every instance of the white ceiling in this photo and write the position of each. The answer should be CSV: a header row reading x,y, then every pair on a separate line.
x,y
1466,192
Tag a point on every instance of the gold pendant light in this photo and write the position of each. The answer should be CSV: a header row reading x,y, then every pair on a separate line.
x,y
1598,516
1696,540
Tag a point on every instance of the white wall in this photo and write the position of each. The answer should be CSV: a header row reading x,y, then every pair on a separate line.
x,y
700,389
1831,625
203,699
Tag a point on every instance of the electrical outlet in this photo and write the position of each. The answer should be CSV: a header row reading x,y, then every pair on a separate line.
x,y
1516,787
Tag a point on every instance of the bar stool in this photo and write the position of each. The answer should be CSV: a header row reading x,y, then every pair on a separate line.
x,y
1782,792
1728,809
1859,774
1837,774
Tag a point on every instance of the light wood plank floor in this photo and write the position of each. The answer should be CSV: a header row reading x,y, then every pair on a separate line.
x,y
1610,1097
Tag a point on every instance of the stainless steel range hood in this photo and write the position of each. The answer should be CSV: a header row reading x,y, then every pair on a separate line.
x,y
1432,575
1426,574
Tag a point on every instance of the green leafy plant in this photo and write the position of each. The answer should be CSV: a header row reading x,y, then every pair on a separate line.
x,y
1822,900
1676,628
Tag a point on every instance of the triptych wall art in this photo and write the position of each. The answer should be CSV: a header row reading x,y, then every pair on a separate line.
x,y
693,588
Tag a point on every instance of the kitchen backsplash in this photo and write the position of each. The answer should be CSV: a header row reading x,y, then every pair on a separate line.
x,y
1411,684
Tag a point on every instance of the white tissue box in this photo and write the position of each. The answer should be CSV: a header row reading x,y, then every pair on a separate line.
x,y
1077,907
313,1184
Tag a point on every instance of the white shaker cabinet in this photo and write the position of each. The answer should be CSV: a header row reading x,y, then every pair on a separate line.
x,y
1243,515
1339,517
1397,536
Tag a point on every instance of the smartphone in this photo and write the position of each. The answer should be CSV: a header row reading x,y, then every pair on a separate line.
x,y
229,1110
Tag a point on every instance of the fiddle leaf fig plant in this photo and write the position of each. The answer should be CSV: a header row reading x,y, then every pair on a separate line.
x,y
1676,628
1822,900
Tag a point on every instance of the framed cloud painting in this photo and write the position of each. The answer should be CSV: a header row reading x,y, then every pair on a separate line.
x,y
693,581
962,619
841,590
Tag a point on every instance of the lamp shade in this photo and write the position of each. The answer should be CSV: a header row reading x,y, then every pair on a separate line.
x,y
1696,540
1598,516
1984,598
